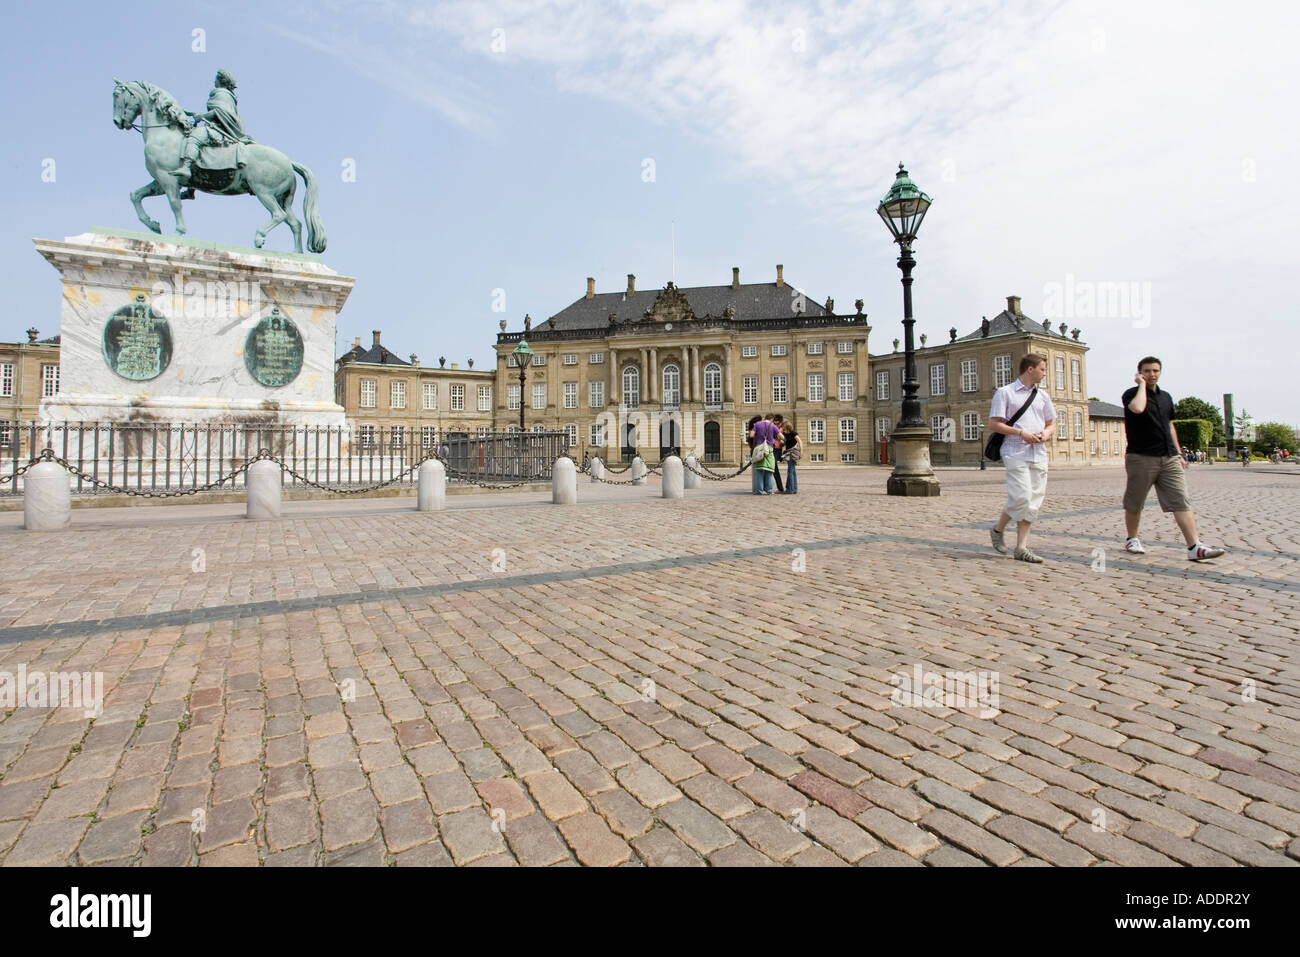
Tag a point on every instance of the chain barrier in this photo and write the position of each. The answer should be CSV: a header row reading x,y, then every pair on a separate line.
x,y
709,474
266,453
46,455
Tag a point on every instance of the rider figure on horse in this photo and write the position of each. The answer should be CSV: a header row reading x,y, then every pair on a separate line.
x,y
218,126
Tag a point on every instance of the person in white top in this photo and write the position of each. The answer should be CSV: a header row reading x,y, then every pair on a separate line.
x,y
1024,451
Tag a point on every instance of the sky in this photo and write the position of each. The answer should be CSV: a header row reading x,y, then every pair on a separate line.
x,y
1129,167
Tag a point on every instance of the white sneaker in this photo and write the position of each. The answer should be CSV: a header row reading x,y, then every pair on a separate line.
x,y
1199,552
1134,547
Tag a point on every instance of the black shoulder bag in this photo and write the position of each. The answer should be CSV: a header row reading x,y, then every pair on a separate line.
x,y
993,450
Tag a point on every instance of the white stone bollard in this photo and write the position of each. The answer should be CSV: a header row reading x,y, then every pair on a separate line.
x,y
431,494
262,483
639,471
47,498
673,484
597,469
690,475
564,482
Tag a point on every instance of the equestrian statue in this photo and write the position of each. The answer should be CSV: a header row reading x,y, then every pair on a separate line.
x,y
186,151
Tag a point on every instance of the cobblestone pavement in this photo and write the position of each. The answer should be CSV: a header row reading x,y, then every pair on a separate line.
x,y
639,681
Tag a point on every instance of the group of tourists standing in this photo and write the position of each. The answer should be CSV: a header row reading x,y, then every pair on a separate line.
x,y
1025,416
778,442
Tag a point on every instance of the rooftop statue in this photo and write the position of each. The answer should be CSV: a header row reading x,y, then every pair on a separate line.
x,y
210,151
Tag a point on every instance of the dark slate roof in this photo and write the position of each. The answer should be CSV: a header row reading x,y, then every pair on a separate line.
x,y
759,300
379,355
1004,324
1104,410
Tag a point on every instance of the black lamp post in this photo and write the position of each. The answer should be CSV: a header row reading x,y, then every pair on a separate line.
x,y
523,355
902,210
982,428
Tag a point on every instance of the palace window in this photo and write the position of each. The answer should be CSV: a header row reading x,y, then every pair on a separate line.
x,y
882,428
485,398
816,387
1075,384
596,395
749,389
749,352
571,398
596,434
570,358
882,385
428,435
970,426
512,395
672,381
539,395
939,431
539,359
397,394
458,398
1078,425
817,431
938,379
1060,373
816,348
778,349
596,358
848,430
6,379
844,348
430,393
631,387
847,386
367,393
1001,371
713,386
778,389
970,378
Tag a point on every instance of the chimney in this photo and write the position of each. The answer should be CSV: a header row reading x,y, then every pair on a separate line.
x,y
591,288
455,365
375,333
780,278
1013,305
357,344
631,284
735,277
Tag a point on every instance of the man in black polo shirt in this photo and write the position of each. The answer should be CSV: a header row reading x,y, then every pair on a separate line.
x,y
1154,458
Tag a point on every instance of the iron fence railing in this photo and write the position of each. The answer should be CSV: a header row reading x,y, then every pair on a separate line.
x,y
168,456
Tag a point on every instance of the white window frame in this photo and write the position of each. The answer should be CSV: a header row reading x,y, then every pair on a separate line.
x,y
970,375
539,359
938,378
848,458
816,387
778,350
1076,379
844,348
596,358
571,396
539,393
882,385
570,358
596,435
396,437
397,394
749,389
485,398
429,395
369,389
1060,374
631,380
6,379
1078,425
512,396
936,427
970,426
1001,370
848,430
847,385
428,436
458,397
816,348
713,386
596,394
571,433
882,428
749,352
817,431
780,392
366,436
670,377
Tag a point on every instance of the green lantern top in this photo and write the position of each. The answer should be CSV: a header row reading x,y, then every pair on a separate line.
x,y
522,351
903,208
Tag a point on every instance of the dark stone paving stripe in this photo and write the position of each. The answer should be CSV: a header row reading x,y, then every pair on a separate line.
x,y
88,628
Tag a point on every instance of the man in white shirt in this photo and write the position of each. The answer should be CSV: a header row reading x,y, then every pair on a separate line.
x,y
1024,451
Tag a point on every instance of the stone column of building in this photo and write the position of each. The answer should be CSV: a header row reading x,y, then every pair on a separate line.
x,y
645,368
695,370
685,377
614,395
728,387
655,391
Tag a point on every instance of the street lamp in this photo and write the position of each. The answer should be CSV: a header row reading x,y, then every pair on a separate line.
x,y
523,355
982,428
902,210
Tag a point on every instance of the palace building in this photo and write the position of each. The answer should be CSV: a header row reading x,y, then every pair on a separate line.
x,y
651,372
29,372
957,379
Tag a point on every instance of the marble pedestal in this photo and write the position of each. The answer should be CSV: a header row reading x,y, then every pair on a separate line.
x,y
215,303
912,474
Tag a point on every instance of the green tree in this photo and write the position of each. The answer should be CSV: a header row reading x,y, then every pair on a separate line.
x,y
1275,435
1194,408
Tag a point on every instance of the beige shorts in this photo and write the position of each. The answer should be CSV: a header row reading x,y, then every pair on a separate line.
x,y
1026,486
1165,473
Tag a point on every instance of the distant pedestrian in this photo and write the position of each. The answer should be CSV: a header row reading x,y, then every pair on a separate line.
x,y
1154,458
1024,451
778,449
1245,456
749,442
765,434
792,452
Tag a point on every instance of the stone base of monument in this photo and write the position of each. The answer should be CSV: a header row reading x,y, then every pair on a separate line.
x,y
912,475
158,330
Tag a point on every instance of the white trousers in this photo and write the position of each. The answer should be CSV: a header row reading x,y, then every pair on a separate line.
x,y
1026,486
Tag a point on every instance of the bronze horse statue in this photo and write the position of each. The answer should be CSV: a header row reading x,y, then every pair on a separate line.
x,y
262,171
